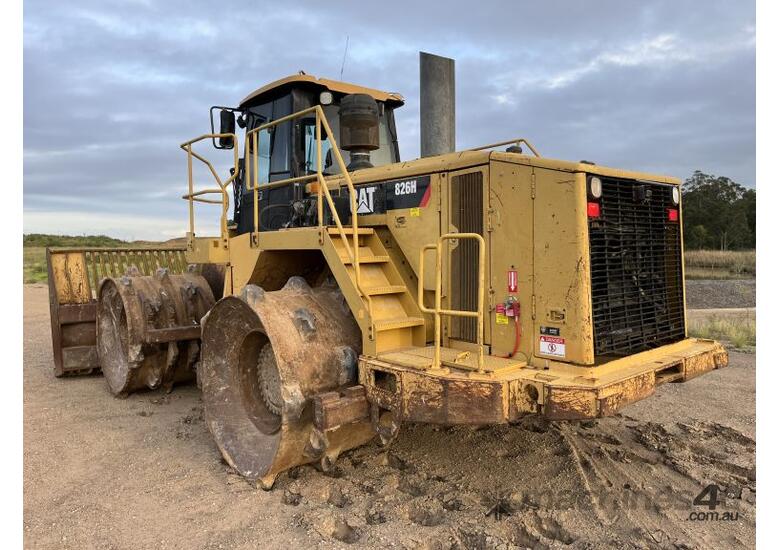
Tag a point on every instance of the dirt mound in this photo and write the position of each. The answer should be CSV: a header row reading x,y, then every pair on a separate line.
x,y
617,481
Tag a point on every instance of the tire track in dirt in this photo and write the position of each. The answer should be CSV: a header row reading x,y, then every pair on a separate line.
x,y
612,474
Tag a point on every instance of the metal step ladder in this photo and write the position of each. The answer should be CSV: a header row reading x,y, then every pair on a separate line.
x,y
390,311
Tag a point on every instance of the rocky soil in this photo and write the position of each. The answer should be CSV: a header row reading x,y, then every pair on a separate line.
x,y
734,293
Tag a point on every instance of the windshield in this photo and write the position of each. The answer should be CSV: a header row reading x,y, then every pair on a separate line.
x,y
379,157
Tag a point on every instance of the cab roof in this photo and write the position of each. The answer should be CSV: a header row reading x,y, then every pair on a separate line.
x,y
391,98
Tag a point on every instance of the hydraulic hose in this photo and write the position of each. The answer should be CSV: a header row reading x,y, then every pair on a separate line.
x,y
517,338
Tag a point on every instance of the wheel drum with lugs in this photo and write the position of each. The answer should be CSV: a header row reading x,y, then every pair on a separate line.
x,y
148,329
265,356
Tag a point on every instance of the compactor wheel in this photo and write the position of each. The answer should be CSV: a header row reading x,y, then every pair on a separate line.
x,y
268,379
265,355
148,331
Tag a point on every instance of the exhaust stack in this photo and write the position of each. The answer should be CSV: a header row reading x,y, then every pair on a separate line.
x,y
437,105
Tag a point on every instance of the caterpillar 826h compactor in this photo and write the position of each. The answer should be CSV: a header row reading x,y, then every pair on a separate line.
x,y
348,292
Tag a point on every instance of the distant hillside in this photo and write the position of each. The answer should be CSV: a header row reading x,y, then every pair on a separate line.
x,y
41,239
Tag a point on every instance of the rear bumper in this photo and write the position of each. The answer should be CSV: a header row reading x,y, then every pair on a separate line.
x,y
632,379
559,391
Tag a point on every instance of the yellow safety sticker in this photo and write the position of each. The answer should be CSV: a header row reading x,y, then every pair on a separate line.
x,y
502,319
414,212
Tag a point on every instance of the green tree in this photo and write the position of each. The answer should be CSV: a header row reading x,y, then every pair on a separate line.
x,y
697,237
719,213
747,204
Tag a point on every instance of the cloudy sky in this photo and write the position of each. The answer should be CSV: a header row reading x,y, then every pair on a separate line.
x,y
112,87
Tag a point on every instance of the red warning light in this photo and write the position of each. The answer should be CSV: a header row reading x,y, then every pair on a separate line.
x,y
674,215
594,210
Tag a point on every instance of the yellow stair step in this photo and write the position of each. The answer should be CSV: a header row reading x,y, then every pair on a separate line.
x,y
386,289
372,259
348,231
398,322
366,255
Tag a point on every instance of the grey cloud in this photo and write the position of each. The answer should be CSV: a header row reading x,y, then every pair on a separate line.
x,y
111,88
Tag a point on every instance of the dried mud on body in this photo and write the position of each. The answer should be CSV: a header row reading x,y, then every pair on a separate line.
x,y
144,472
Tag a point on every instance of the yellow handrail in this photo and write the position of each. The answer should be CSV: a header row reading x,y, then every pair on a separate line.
x,y
516,141
195,196
251,155
320,122
437,310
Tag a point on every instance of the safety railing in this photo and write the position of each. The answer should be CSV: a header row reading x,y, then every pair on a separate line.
x,y
437,310
251,160
198,196
517,141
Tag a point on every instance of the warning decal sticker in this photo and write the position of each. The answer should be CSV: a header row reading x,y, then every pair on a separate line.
x,y
511,280
551,345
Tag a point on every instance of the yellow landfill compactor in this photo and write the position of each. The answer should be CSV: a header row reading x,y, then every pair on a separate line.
x,y
348,292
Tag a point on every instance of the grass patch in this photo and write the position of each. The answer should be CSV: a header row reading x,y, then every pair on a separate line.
x,y
720,264
739,330
35,264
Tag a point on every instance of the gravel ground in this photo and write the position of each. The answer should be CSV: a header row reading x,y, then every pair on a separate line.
x,y
143,472
735,293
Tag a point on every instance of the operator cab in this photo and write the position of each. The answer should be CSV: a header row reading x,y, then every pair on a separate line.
x,y
288,150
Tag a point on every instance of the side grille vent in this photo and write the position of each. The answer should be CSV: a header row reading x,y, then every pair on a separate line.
x,y
466,215
636,269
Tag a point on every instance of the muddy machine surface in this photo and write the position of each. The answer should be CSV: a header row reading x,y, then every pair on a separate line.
x,y
348,292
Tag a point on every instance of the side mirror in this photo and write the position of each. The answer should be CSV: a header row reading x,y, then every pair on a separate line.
x,y
227,125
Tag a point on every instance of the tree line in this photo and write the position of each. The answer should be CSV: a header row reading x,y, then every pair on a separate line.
x,y
719,213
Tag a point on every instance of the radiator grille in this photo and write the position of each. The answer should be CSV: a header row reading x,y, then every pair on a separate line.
x,y
636,269
466,214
